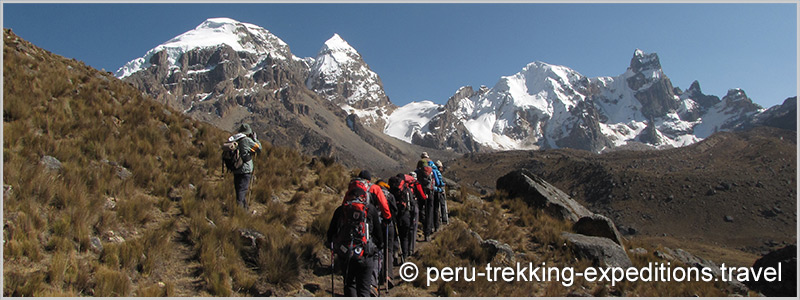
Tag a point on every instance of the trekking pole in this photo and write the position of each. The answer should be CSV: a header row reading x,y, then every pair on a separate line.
x,y
333,294
397,240
386,260
252,179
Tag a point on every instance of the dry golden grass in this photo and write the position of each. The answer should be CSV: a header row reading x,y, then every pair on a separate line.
x,y
101,130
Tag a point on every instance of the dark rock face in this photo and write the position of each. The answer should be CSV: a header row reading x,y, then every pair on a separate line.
x,y
599,226
538,193
602,251
782,116
459,139
787,287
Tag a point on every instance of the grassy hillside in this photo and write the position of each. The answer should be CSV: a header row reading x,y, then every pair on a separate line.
x,y
139,205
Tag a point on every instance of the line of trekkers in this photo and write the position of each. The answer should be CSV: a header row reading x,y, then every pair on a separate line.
x,y
376,226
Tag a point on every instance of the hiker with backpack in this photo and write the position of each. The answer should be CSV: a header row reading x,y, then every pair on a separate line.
x,y
416,214
426,180
444,211
377,198
438,196
355,237
389,233
402,189
237,157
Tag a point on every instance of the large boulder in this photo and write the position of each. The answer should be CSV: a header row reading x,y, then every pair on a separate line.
x,y
598,225
541,194
602,251
787,287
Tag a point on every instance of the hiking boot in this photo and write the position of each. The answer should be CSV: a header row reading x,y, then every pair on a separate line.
x,y
373,291
427,238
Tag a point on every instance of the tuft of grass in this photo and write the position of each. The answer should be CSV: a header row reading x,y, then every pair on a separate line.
x,y
111,283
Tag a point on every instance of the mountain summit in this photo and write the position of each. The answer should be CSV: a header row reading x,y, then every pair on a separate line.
x,y
212,33
547,106
340,75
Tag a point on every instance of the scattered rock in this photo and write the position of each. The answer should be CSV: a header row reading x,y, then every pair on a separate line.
x,y
50,163
787,287
598,225
496,248
312,287
728,219
112,237
123,173
303,293
638,251
541,194
97,246
602,251
450,184
693,260
8,190
111,203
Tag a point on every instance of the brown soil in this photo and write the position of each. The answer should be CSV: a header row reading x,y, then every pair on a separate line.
x,y
732,195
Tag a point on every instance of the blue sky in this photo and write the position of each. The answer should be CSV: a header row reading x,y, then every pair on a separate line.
x,y
427,51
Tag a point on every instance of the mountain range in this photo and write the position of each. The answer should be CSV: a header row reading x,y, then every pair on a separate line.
x,y
226,72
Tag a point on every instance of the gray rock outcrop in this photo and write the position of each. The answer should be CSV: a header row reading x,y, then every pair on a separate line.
x,y
541,194
600,226
602,251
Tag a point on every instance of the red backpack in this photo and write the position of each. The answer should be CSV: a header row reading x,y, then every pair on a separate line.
x,y
353,239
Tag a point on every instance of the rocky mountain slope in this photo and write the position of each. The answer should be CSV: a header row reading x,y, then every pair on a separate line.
x,y
226,72
733,190
547,106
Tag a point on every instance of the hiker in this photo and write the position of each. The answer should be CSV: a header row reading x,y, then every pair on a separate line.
x,y
419,197
426,180
388,228
424,158
353,237
378,199
404,198
248,145
438,196
443,202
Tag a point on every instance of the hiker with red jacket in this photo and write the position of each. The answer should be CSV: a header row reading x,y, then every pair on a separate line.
x,y
353,237
389,233
378,199
426,180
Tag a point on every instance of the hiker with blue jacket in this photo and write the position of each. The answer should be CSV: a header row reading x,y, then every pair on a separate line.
x,y
248,147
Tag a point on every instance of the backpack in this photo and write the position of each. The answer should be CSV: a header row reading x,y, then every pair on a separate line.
x,y
425,178
232,158
353,240
402,193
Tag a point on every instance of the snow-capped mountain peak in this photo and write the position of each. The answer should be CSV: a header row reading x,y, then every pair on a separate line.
x,y
213,33
642,61
549,106
340,75
336,45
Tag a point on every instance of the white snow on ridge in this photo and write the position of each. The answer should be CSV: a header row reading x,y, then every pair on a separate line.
x,y
212,33
410,118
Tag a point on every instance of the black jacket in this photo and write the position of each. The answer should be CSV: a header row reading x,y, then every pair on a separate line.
x,y
373,219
